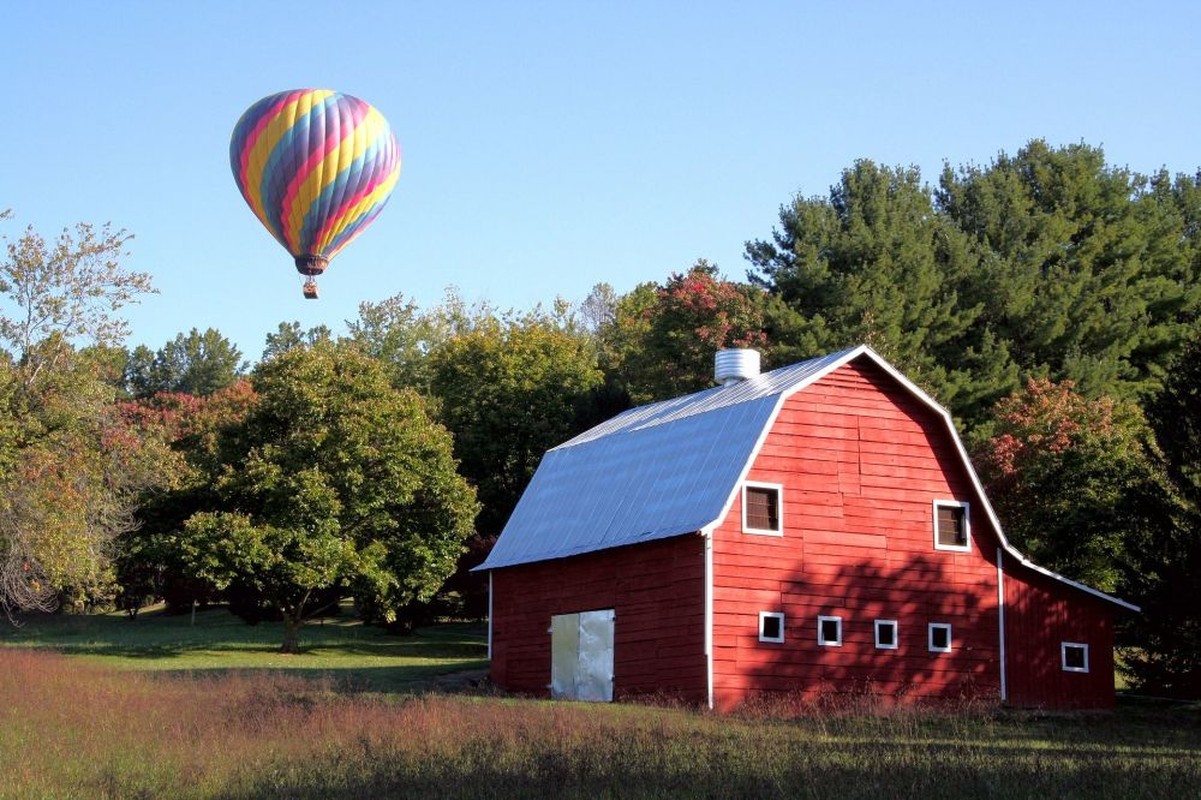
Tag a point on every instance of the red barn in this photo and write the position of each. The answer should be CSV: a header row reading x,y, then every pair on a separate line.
x,y
813,529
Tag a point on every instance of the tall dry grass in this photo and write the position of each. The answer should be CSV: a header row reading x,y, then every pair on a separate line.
x,y
71,730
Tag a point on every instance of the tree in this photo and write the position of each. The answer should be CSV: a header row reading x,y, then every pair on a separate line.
x,y
401,337
70,470
66,292
192,429
875,263
1073,480
661,339
599,309
511,388
1091,273
1164,575
334,480
198,364
289,335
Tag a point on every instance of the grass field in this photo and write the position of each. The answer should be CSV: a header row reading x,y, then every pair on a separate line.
x,y
144,711
341,649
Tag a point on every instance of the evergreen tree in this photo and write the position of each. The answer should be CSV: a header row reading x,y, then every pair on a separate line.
x,y
1090,272
876,263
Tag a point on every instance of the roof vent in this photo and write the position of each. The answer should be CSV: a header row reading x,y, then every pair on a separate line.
x,y
732,366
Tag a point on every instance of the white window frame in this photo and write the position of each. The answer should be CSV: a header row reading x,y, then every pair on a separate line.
x,y
966,547
896,630
821,640
779,615
930,637
1063,656
779,490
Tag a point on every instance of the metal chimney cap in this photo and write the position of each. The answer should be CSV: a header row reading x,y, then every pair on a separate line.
x,y
734,365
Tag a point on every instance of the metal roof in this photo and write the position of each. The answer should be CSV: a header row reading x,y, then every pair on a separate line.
x,y
652,472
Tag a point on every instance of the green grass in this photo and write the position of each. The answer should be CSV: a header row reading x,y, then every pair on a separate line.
x,y
354,655
159,708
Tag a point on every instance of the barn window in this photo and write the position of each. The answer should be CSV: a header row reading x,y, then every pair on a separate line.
x,y
939,637
952,525
886,634
1074,656
829,631
762,509
771,626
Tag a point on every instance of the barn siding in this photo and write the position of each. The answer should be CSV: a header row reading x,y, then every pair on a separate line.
x,y
861,462
657,592
1039,617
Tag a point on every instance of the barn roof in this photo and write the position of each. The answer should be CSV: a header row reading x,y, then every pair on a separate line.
x,y
672,468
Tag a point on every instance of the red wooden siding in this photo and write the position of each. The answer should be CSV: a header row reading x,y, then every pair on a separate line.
x,y
658,593
1039,616
861,462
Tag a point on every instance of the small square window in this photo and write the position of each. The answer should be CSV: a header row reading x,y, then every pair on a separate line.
x,y
771,626
886,634
939,636
1074,656
762,510
952,525
829,631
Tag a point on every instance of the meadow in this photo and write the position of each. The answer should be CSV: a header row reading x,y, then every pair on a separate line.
x,y
100,707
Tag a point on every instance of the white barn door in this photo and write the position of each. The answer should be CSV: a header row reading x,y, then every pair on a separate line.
x,y
581,648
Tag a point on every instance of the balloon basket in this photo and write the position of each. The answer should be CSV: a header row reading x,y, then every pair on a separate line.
x,y
310,290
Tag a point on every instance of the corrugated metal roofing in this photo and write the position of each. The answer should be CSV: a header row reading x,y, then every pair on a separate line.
x,y
652,472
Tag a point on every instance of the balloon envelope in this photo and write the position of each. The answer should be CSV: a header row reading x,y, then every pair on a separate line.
x,y
316,167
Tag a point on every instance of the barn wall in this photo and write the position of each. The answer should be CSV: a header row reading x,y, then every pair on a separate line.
x,y
861,462
1039,617
657,592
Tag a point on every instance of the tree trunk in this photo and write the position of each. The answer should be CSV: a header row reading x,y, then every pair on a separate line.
x,y
291,643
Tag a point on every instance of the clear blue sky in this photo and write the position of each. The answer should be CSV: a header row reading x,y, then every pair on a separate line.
x,y
549,146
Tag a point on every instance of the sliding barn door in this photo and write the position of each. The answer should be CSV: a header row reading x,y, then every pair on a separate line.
x,y
581,647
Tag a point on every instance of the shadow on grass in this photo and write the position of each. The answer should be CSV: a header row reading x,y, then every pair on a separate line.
x,y
214,641
465,676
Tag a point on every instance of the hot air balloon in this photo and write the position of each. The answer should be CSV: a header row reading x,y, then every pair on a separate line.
x,y
316,167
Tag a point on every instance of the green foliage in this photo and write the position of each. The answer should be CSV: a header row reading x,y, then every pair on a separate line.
x,y
1047,263
334,479
660,340
289,334
71,469
1165,569
511,388
1073,480
875,263
198,364
1091,270
400,336
67,290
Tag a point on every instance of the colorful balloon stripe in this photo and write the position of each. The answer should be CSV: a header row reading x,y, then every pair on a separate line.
x,y
315,166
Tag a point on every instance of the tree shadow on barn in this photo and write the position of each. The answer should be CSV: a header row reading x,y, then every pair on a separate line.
x,y
853,664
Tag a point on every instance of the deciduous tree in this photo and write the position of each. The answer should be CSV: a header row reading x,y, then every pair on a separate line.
x,y
510,388
1074,480
70,470
661,339
334,479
